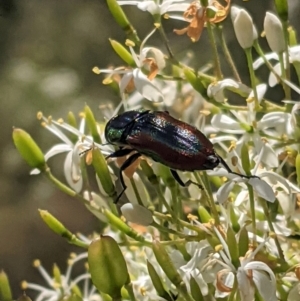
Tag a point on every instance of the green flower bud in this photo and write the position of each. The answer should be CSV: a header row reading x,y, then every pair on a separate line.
x,y
157,283
148,172
122,52
92,124
123,227
107,266
233,247
101,169
245,159
118,13
28,149
274,33
24,297
293,37
165,263
234,219
282,9
195,290
56,274
71,120
205,217
243,242
195,81
297,164
5,290
55,225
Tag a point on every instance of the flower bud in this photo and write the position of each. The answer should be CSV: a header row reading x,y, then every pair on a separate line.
x,y
274,33
297,164
54,224
195,81
91,123
233,247
165,263
28,149
243,242
195,289
243,27
122,52
5,290
282,9
101,169
205,217
107,266
137,214
118,13
157,282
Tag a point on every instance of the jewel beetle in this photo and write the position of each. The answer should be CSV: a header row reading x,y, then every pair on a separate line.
x,y
169,141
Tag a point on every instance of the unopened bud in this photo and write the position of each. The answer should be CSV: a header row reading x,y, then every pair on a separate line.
x,y
274,33
243,27
28,149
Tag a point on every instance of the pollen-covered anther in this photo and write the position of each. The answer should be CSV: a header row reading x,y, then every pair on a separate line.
x,y
157,25
96,70
250,99
107,81
129,43
24,285
36,263
218,248
60,121
192,217
39,115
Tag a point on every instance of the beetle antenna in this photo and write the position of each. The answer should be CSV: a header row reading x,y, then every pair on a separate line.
x,y
232,172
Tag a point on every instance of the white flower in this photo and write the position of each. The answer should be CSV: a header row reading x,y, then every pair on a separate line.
x,y
57,290
243,26
149,57
155,7
274,33
294,57
216,90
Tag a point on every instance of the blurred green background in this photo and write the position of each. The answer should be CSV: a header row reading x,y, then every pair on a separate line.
x,y
47,52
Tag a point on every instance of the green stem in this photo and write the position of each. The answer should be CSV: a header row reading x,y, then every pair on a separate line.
x,y
286,88
227,54
252,211
208,192
136,192
215,51
266,212
248,52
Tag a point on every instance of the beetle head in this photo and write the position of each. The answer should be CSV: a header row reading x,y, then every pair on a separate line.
x,y
212,161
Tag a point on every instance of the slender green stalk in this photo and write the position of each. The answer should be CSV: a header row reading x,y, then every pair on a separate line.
x,y
286,88
227,54
248,52
252,210
136,192
213,43
208,192
266,212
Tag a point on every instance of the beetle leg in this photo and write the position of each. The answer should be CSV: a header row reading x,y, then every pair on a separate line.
x,y
120,153
126,164
180,182
235,173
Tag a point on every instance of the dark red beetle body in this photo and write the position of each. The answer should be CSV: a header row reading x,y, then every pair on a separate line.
x,y
163,138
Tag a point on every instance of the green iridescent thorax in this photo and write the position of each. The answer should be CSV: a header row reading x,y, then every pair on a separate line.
x,y
113,135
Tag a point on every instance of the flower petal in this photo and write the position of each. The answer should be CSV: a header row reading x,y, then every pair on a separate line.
x,y
263,189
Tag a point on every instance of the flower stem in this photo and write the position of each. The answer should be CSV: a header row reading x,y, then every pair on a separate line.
x,y
215,51
248,52
136,192
227,54
252,210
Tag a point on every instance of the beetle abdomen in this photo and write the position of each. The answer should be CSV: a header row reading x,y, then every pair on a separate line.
x,y
171,142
